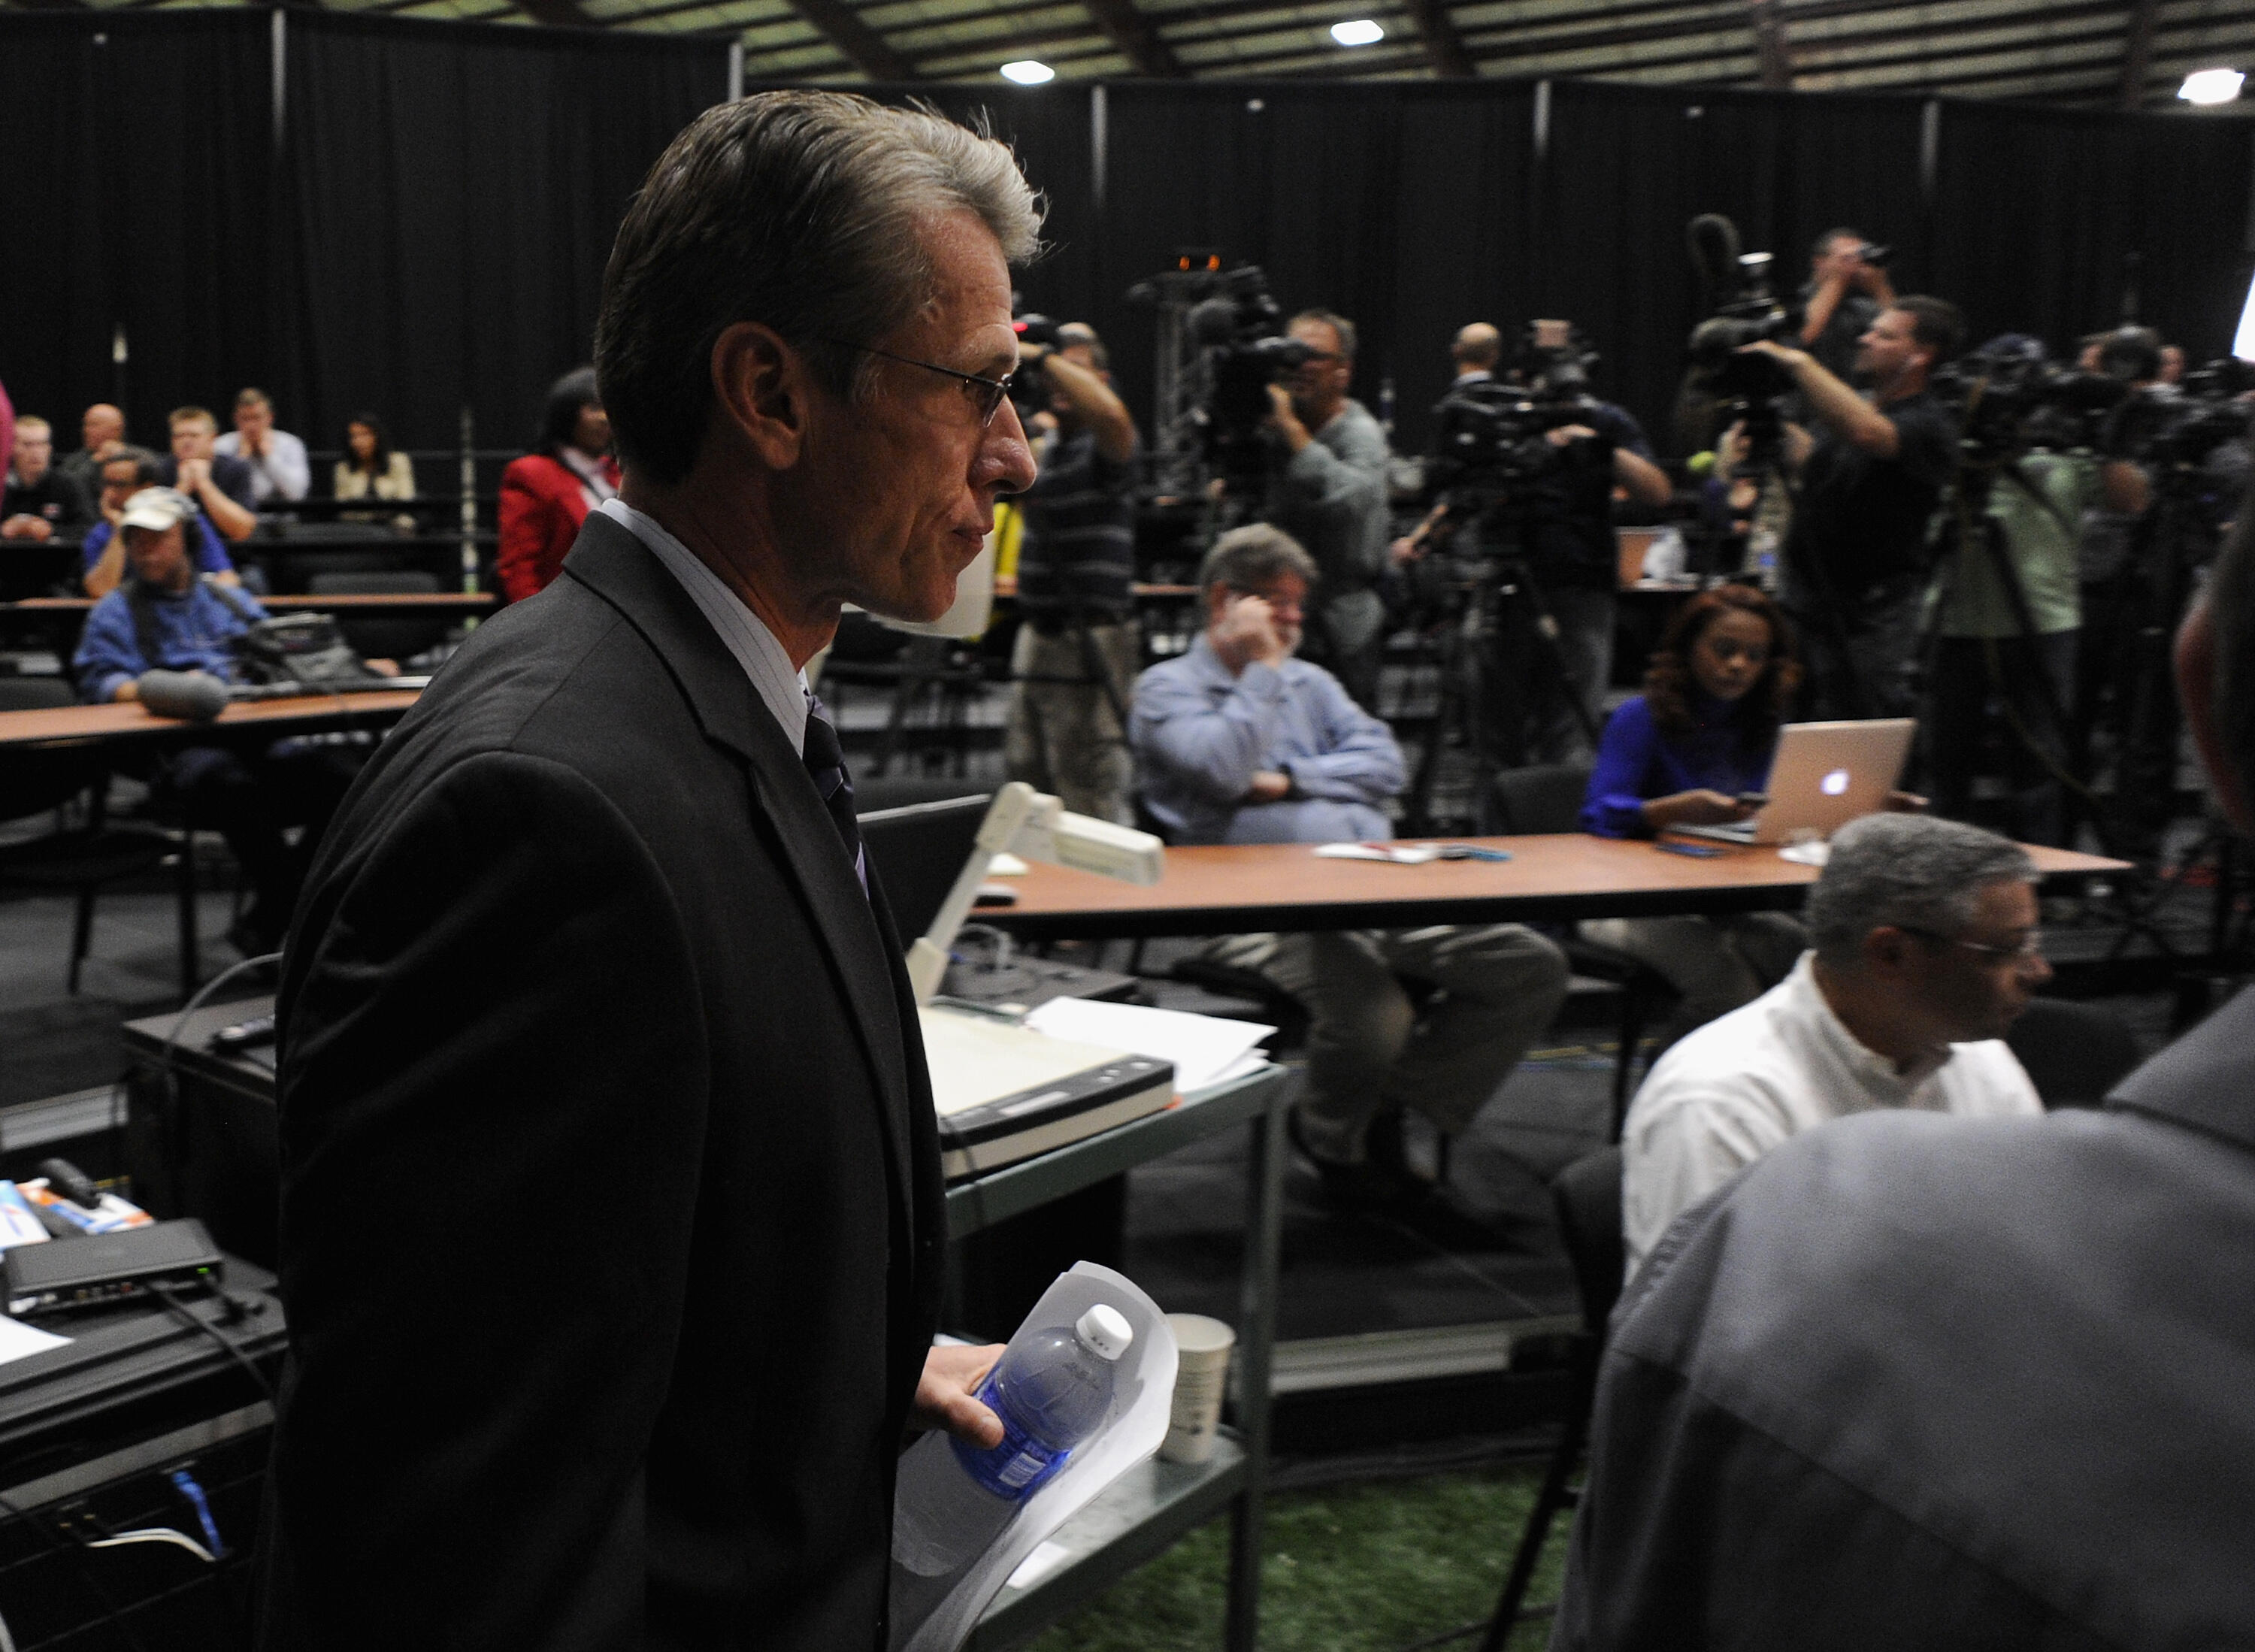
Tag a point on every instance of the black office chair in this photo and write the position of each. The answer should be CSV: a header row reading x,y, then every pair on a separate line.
x,y
1546,797
80,858
2073,1053
1587,1196
385,637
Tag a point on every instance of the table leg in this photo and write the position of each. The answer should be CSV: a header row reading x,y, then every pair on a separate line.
x,y
1257,1335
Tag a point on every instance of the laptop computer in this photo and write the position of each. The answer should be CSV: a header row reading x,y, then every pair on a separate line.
x,y
1825,775
918,850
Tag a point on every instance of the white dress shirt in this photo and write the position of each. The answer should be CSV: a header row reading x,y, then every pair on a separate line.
x,y
1737,1086
280,473
781,685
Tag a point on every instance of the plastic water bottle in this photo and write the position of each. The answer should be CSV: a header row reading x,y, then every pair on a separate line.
x,y
1052,1390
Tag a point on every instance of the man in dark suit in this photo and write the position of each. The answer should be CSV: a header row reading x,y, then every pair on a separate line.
x,y
612,1220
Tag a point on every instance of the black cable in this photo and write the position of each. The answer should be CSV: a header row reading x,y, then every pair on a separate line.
x,y
173,1306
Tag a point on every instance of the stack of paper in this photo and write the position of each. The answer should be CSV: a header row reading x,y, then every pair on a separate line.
x,y
1205,1050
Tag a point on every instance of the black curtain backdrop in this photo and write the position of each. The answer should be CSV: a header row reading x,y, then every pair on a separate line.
x,y
430,228
455,191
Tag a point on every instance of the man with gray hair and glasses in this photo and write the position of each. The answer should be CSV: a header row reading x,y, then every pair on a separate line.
x,y
598,918
1958,1384
1924,950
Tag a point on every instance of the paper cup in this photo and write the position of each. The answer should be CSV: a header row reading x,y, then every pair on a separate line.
x,y
1201,1379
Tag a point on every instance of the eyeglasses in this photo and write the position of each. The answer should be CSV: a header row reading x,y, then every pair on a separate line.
x,y
988,395
2029,946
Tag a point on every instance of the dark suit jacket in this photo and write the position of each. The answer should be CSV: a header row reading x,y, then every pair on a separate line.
x,y
611,1210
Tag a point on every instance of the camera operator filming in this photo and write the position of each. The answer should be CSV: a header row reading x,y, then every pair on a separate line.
x,y
1869,476
1072,669
1328,491
1847,288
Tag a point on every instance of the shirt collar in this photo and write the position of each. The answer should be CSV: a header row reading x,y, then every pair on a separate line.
x,y
781,688
1875,1071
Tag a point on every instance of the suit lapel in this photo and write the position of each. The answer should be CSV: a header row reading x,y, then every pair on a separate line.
x,y
617,567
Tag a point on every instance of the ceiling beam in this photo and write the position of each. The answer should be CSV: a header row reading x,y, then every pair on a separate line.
x,y
2137,54
1137,38
855,41
557,14
1444,46
1770,50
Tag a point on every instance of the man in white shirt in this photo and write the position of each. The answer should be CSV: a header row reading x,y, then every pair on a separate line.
x,y
278,469
1925,950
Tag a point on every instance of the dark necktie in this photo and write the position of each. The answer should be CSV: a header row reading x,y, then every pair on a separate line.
x,y
825,765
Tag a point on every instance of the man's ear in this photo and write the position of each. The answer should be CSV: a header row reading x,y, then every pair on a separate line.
x,y
761,389
1887,949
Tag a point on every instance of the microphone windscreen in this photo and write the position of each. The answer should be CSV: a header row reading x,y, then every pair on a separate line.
x,y
195,697
1713,241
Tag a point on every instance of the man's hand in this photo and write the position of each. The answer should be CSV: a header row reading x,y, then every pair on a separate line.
x,y
1268,786
1249,634
1284,418
943,1395
1408,548
1565,433
193,475
1793,360
248,446
25,525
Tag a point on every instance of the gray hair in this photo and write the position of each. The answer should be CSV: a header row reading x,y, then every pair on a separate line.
x,y
2232,613
1245,559
1911,871
1338,324
803,210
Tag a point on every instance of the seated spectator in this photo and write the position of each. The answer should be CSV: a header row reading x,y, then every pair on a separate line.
x,y
1962,1385
219,485
39,502
167,617
101,429
371,468
1682,753
546,495
280,473
125,473
1925,950
1240,742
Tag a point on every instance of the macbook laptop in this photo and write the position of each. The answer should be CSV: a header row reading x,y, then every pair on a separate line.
x,y
1824,776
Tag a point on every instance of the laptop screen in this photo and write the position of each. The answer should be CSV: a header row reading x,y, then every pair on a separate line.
x,y
918,851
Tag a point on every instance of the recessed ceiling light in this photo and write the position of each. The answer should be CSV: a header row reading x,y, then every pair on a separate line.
x,y
1359,32
1026,72
2211,85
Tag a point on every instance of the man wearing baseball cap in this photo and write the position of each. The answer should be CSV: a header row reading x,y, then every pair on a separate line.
x,y
165,617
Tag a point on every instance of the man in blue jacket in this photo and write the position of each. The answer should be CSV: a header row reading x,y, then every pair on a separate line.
x,y
166,616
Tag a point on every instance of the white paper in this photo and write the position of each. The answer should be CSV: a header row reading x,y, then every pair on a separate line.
x,y
17,1340
1400,854
1144,1405
1204,1049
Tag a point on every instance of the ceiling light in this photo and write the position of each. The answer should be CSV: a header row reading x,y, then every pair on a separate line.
x,y
1026,72
2243,342
2211,85
1359,32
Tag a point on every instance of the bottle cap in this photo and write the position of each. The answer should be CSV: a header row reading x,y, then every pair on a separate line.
x,y
1105,1331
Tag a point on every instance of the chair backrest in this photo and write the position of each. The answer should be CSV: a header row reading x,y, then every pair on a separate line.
x,y
1587,1196
383,635
34,781
374,582
1540,797
2073,1053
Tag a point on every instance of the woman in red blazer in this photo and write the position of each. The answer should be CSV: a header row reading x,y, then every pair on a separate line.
x,y
546,495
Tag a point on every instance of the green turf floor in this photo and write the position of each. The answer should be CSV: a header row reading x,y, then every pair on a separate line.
x,y
1363,1567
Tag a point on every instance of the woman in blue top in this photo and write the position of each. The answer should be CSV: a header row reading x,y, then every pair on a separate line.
x,y
1682,753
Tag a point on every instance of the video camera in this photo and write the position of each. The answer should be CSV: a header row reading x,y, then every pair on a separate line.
x,y
2009,397
2181,428
1492,433
1238,330
1751,388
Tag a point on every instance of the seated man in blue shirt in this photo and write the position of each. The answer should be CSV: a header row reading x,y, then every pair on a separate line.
x,y
1240,742
167,617
123,474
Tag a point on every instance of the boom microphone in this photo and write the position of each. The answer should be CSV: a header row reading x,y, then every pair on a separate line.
x,y
1713,241
195,697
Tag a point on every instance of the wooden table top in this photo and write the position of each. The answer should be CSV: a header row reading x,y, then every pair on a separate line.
x,y
130,721
1220,890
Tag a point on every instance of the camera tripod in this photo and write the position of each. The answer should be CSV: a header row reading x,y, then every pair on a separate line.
x,y
1496,600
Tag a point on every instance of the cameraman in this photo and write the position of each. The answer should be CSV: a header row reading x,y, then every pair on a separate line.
x,y
1073,666
1844,293
1870,477
1560,520
1329,493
